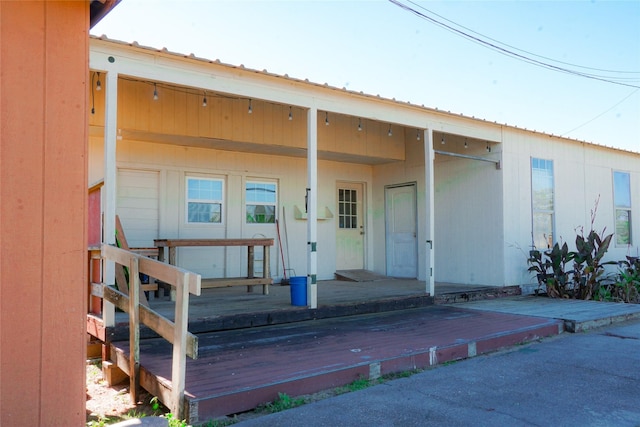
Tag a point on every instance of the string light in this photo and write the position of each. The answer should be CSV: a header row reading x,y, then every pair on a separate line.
x,y
290,113
98,84
155,92
93,96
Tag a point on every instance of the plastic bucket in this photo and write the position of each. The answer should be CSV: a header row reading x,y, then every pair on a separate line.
x,y
298,288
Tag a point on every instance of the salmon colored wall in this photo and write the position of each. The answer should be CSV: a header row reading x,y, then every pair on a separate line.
x,y
43,134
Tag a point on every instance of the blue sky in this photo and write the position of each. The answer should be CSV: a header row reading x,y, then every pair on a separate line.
x,y
376,47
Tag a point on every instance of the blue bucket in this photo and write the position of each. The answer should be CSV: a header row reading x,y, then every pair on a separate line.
x,y
298,287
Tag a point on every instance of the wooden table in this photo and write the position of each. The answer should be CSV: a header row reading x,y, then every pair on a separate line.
x,y
249,281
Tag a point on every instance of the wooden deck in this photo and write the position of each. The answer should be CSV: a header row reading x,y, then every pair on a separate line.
x,y
252,346
237,370
235,308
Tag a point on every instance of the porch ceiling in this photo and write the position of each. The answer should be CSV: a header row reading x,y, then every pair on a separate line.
x,y
241,146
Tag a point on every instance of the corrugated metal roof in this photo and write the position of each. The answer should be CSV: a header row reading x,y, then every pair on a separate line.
x,y
432,110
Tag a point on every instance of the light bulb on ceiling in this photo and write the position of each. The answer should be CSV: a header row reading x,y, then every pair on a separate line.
x,y
98,83
290,113
250,110
390,133
326,118
442,142
488,148
155,92
465,143
204,100
418,135
359,125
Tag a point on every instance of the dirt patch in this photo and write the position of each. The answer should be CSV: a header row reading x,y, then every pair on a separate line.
x,y
108,405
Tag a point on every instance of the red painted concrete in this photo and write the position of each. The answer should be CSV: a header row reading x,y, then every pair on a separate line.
x,y
237,370
43,134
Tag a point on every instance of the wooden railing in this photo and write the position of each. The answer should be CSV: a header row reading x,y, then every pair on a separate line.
x,y
184,343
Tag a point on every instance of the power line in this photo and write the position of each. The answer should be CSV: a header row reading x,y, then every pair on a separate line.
x,y
480,39
601,114
521,50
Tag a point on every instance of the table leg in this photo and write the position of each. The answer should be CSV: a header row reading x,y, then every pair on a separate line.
x,y
265,269
250,263
172,261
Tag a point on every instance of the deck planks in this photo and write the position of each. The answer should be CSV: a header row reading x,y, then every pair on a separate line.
x,y
242,368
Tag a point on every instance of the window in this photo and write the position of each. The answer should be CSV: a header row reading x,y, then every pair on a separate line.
x,y
204,200
347,208
542,202
261,202
622,202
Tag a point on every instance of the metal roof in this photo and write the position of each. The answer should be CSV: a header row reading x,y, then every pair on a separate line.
x,y
264,72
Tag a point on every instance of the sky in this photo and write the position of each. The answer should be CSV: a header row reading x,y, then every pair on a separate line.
x,y
379,48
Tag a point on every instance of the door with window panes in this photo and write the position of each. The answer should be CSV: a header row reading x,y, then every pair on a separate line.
x,y
350,223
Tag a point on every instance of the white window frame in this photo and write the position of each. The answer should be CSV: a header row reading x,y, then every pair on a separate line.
x,y
248,203
620,207
352,207
220,201
540,211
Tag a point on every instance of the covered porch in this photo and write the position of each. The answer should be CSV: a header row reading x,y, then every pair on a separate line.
x,y
234,308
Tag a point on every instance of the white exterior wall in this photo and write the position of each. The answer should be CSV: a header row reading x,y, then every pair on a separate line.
x,y
174,163
410,171
468,221
582,174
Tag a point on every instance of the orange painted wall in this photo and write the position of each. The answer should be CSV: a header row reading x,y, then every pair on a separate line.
x,y
43,137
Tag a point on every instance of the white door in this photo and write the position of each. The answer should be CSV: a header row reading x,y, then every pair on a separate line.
x,y
401,226
137,206
350,232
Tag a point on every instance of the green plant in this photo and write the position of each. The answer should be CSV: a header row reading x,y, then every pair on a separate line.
x,y
283,402
174,421
551,270
627,286
359,384
587,279
588,270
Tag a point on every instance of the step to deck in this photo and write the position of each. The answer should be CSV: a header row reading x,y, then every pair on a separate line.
x,y
120,332
238,370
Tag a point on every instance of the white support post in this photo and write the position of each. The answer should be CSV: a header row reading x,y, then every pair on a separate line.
x,y
109,217
312,207
429,198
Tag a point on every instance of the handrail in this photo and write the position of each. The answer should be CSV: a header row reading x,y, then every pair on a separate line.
x,y
184,343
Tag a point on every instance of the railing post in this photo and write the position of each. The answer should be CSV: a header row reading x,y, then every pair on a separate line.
x,y
134,328
179,364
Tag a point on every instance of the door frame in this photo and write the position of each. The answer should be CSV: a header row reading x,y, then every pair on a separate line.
x,y
363,219
414,185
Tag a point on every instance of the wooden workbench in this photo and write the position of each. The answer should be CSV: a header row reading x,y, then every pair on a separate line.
x,y
171,245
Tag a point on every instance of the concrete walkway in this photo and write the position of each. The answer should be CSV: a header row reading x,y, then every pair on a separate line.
x,y
577,315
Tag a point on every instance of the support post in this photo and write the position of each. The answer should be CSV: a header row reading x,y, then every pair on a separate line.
x,y
429,199
312,207
110,169
179,365
134,329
